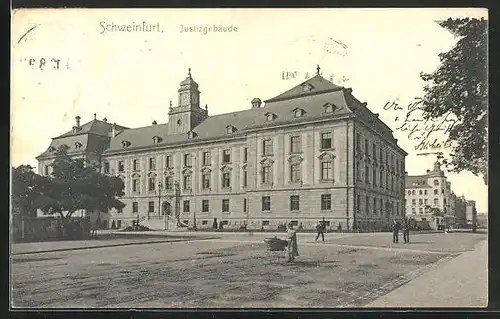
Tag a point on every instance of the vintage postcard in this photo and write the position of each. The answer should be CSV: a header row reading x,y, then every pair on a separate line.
x,y
249,158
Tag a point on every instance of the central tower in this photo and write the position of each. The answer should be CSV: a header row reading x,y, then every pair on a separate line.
x,y
188,114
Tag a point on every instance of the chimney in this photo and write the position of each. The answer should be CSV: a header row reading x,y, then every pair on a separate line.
x,y
113,131
95,116
77,118
256,103
428,171
105,120
406,173
154,122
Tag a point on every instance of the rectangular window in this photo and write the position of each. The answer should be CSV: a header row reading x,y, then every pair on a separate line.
x,y
436,192
187,181
265,223
425,192
170,161
204,206
295,172
226,179
421,210
326,171
374,151
245,154
413,210
294,202
420,192
135,207
46,170
266,175
118,224
244,205
187,160
358,203
121,167
152,163
367,151
169,182
204,222
205,181
420,201
326,202
226,156
426,201
106,168
185,207
414,202
151,184
185,222
267,147
135,185
207,158
295,146
436,201
374,204
135,165
151,207
367,174
225,205
358,142
326,140
381,178
266,203
245,178
367,205
374,177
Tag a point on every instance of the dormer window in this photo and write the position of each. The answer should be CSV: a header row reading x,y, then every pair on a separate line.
x,y
298,112
306,87
192,134
125,144
156,139
270,116
51,149
78,145
230,129
329,107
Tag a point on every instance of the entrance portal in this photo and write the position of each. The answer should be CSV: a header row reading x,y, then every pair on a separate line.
x,y
166,208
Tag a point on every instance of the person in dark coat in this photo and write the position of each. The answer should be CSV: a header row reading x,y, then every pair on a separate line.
x,y
320,228
395,231
406,231
292,248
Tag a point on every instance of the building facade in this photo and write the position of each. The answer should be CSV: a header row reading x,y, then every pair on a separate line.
x,y
430,198
313,152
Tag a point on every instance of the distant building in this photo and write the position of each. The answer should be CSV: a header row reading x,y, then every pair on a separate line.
x,y
460,211
482,220
429,197
312,152
471,213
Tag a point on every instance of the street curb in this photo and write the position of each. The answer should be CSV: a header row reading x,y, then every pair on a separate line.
x,y
113,245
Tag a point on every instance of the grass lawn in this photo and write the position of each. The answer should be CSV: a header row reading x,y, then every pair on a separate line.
x,y
213,273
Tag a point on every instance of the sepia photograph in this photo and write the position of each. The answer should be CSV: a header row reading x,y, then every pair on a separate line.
x,y
249,158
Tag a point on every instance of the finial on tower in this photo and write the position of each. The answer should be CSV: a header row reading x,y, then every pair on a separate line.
x,y
206,107
317,69
189,72
95,116
170,103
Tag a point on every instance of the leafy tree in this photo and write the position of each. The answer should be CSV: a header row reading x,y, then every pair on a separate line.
x,y
76,184
29,191
459,86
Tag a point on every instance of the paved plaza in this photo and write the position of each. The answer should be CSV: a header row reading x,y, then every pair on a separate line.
x,y
228,270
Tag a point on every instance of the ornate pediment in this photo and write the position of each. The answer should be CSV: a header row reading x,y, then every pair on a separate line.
x,y
295,159
169,172
226,168
152,174
266,161
187,171
206,170
136,175
326,156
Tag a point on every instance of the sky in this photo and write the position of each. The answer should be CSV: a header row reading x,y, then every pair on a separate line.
x,y
131,77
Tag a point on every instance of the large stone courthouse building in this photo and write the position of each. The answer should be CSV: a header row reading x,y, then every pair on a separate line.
x,y
312,152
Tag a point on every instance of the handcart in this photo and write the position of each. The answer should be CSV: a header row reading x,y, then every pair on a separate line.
x,y
275,247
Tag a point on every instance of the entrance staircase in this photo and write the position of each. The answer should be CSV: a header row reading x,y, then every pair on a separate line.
x,y
162,223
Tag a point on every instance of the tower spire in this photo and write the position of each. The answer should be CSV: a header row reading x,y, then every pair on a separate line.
x,y
317,69
189,72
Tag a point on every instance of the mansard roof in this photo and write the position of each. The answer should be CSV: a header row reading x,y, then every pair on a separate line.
x,y
93,127
314,85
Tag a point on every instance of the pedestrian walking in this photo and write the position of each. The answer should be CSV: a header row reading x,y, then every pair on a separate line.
x,y
395,231
320,228
406,231
292,247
